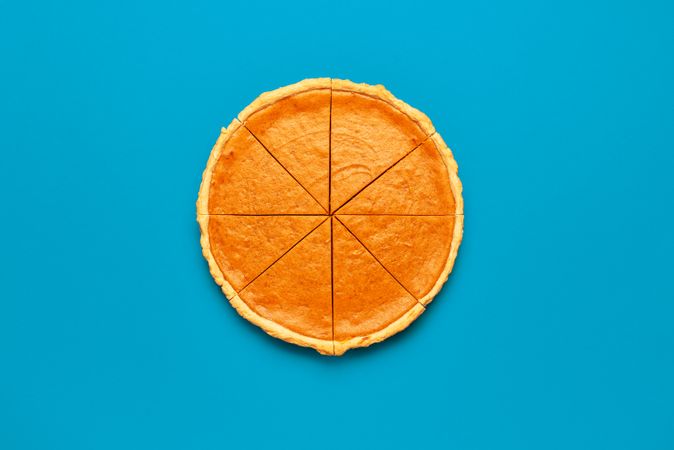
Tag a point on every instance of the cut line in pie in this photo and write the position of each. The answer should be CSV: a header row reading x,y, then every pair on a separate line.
x,y
330,213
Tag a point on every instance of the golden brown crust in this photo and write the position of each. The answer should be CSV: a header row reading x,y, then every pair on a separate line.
x,y
295,292
219,278
247,179
322,346
368,136
457,236
453,250
267,98
365,341
296,131
204,189
366,297
452,170
380,92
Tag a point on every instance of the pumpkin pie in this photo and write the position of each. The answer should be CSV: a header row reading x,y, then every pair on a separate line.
x,y
330,213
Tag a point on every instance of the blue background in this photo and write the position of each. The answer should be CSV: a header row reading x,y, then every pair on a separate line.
x,y
556,330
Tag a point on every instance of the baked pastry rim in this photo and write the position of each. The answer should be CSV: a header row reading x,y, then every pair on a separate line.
x,y
272,328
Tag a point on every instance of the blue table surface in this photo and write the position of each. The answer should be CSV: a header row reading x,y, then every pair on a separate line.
x,y
555,331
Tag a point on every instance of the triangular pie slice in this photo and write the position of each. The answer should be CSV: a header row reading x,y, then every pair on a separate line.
x,y
369,304
294,125
246,179
418,184
244,246
370,132
415,249
295,292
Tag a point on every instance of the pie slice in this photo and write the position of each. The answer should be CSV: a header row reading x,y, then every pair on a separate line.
x,y
419,251
295,293
417,185
244,246
243,178
293,123
371,130
369,304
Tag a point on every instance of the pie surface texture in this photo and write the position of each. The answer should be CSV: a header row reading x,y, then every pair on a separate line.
x,y
330,213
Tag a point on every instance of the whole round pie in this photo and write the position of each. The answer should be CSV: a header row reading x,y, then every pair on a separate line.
x,y
330,213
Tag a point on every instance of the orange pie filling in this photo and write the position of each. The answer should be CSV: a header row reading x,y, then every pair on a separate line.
x,y
331,214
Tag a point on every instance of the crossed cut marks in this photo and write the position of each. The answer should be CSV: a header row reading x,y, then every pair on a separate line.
x,y
331,214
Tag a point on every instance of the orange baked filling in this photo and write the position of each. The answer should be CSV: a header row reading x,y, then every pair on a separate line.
x,y
331,213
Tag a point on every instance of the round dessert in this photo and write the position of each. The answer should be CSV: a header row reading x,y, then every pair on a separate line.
x,y
330,213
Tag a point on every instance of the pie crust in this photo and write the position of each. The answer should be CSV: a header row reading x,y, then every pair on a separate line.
x,y
227,159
